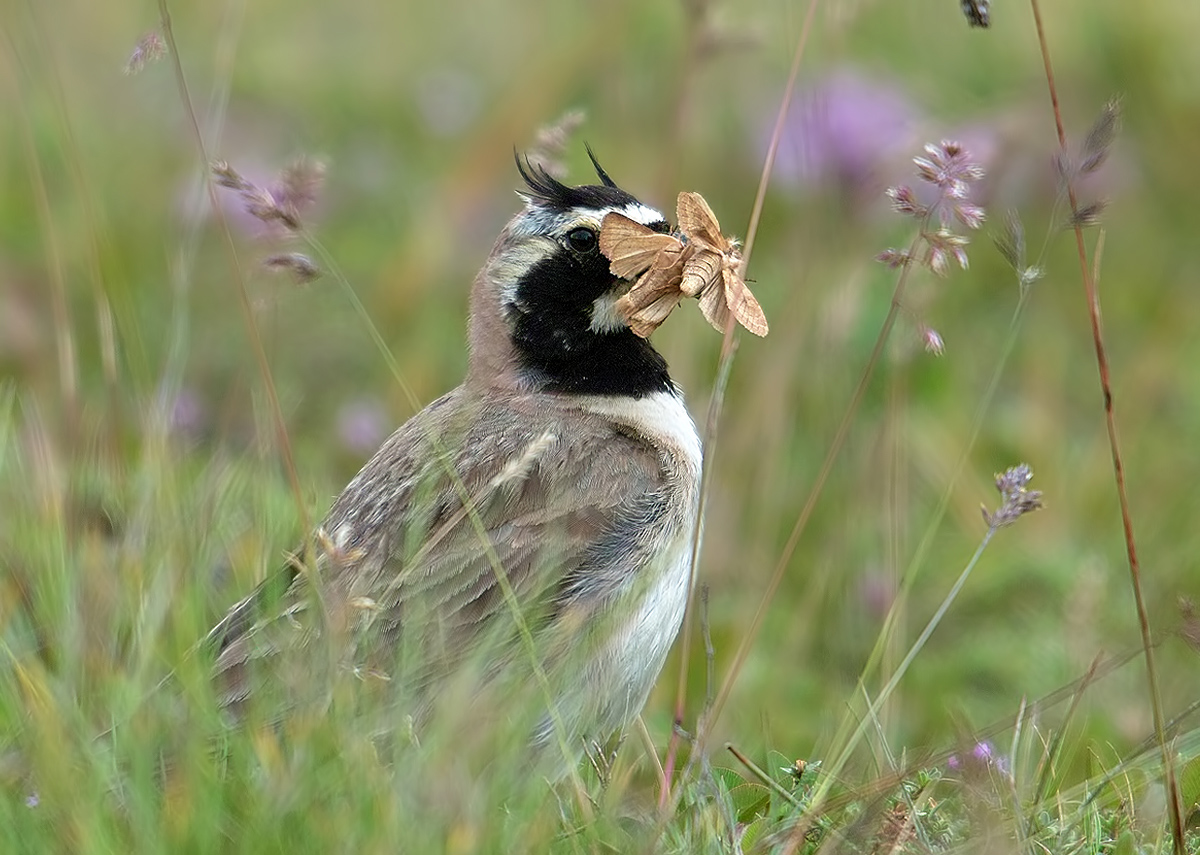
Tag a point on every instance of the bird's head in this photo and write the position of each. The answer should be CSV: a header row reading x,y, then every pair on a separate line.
x,y
543,309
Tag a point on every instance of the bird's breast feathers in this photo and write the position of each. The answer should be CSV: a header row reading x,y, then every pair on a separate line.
x,y
638,646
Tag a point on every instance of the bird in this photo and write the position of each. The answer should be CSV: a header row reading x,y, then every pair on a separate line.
x,y
532,529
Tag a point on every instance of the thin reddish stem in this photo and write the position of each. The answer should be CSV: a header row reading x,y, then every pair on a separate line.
x,y
1093,304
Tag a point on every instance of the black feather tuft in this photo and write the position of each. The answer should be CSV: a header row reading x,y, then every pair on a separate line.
x,y
547,190
604,179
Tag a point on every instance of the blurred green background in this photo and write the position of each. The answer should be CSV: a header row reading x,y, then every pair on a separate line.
x,y
106,236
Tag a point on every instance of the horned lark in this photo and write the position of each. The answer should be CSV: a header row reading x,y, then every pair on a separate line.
x,y
532,527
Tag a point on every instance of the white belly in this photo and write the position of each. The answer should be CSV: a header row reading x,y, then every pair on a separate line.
x,y
630,661
640,648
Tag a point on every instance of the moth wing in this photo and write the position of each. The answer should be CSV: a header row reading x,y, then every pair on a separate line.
x,y
697,220
744,305
714,307
650,317
656,282
631,247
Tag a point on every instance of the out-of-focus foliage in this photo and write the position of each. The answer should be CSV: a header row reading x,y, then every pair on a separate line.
x,y
141,484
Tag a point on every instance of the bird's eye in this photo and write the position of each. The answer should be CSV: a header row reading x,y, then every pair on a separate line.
x,y
582,240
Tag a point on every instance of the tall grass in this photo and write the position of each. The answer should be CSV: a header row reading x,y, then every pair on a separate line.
x,y
159,449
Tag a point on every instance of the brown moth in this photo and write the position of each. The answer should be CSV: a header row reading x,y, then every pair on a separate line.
x,y
713,271
633,248
703,264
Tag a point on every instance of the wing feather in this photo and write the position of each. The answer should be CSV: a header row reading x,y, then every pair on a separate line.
x,y
410,555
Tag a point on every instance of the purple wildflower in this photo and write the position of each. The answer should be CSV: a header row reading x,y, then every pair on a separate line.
x,y
1016,497
361,425
844,130
149,49
189,415
933,341
982,757
948,171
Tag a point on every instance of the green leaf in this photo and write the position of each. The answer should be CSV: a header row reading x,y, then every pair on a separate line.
x,y
1125,844
781,768
728,778
1189,783
752,833
749,800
